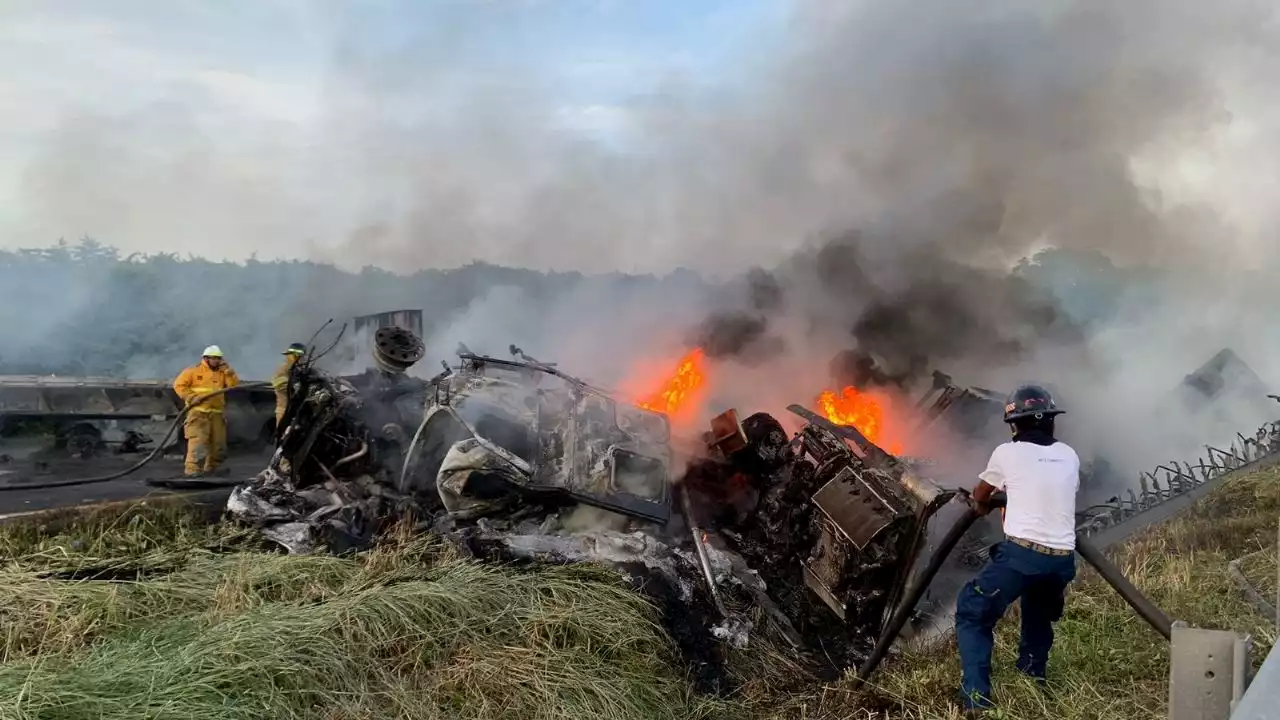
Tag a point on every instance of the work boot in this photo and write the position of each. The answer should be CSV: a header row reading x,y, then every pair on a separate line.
x,y
1029,670
196,475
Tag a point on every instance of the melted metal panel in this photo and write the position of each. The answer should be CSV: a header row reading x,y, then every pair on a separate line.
x,y
854,508
820,589
581,443
824,569
624,471
727,436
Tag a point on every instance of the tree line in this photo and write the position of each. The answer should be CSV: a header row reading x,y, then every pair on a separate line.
x,y
84,308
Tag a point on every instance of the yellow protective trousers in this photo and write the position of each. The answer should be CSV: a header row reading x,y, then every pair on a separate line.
x,y
280,381
206,441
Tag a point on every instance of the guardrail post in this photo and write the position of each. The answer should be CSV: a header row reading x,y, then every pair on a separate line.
x,y
1206,671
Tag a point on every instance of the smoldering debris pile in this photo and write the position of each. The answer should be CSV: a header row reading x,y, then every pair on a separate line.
x,y
1223,378
331,482
810,540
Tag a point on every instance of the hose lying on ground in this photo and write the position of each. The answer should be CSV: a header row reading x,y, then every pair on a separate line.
x,y
1251,594
177,421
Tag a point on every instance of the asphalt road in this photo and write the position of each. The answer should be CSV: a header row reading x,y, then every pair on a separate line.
x,y
17,473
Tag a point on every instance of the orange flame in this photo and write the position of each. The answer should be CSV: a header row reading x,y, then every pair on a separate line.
x,y
675,394
859,409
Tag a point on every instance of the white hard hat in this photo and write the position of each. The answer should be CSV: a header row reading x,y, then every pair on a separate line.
x,y
212,351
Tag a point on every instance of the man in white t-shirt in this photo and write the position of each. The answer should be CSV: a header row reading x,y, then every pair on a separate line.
x,y
1040,475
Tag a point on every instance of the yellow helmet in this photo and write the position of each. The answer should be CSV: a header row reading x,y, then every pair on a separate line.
x,y
212,351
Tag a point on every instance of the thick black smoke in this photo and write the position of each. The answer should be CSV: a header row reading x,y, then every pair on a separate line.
x,y
742,332
944,312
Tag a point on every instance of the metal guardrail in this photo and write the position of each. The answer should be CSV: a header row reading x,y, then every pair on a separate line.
x,y
1183,483
1262,697
40,396
80,381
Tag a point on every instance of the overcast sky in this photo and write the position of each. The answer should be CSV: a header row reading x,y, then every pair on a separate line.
x,y
586,134
229,128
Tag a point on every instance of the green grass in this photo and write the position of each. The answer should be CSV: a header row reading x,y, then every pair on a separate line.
x,y
215,626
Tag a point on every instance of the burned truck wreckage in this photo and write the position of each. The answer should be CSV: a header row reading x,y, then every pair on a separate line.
x,y
813,540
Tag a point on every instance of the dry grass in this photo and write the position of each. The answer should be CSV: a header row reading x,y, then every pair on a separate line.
x,y
212,626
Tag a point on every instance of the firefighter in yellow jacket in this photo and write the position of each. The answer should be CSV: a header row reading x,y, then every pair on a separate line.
x,y
280,380
206,425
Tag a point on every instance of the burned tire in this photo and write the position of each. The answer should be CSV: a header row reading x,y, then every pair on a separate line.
x,y
767,451
81,440
396,349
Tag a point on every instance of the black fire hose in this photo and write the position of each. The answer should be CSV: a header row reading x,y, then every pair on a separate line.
x,y
1116,579
177,421
908,604
1087,550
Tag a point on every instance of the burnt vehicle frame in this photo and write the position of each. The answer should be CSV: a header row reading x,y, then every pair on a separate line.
x,y
496,432
826,545
835,528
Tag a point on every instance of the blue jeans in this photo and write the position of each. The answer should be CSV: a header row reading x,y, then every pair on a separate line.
x,y
1013,571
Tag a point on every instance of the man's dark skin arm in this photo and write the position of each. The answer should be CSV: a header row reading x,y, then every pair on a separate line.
x,y
982,496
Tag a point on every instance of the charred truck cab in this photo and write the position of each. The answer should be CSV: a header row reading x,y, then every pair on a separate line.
x,y
497,433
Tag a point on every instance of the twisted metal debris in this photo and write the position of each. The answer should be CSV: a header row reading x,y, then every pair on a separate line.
x,y
1182,483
